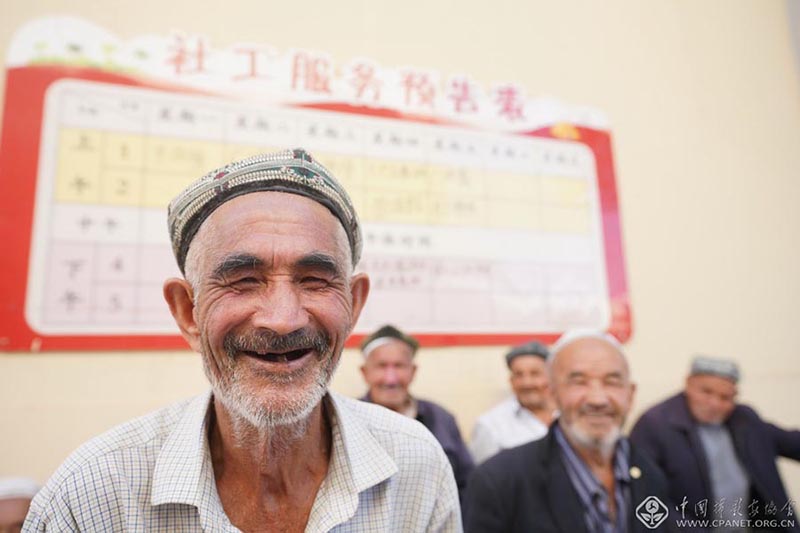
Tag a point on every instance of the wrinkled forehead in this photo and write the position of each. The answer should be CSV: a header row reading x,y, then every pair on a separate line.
x,y
718,384
252,221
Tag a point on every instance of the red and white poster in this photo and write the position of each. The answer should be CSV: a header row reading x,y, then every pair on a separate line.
x,y
488,217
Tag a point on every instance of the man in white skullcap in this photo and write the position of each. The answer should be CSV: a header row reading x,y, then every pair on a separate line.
x,y
389,370
16,494
583,476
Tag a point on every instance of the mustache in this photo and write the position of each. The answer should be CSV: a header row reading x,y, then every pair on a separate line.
x,y
266,340
597,410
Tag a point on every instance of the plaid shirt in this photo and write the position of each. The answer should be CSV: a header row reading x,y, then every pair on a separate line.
x,y
154,474
592,494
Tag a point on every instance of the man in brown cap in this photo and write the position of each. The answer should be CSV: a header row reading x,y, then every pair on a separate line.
x,y
388,370
268,247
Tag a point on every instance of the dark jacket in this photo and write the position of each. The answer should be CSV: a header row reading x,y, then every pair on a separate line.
x,y
527,490
668,434
443,425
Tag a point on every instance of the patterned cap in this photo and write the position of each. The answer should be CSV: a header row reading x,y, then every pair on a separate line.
x,y
723,368
529,348
290,171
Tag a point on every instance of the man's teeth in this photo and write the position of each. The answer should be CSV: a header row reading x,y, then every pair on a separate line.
x,y
284,357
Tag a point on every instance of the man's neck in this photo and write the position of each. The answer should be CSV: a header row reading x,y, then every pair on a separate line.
x,y
543,412
596,458
269,476
409,408
600,460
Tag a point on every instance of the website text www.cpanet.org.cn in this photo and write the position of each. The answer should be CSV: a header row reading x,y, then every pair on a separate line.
x,y
744,523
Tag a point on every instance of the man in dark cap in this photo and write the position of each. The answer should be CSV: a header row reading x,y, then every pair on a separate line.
x,y
268,248
389,369
719,456
523,417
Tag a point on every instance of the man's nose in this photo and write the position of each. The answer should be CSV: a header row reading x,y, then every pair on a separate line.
x,y
596,394
280,308
390,376
531,382
717,403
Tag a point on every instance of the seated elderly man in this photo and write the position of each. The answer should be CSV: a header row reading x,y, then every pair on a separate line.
x,y
719,456
267,247
523,417
583,476
389,369
15,499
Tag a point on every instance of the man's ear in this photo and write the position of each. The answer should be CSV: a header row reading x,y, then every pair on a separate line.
x,y
180,298
359,290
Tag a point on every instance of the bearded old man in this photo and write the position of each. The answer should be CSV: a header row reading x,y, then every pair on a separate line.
x,y
267,247
583,476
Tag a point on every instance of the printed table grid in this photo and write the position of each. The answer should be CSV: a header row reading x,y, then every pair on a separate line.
x,y
464,230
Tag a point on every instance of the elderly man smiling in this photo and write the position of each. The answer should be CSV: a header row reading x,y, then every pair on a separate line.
x,y
267,247
583,476
388,370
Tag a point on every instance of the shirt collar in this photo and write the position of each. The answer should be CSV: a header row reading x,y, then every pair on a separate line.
x,y
358,462
360,454
179,470
518,409
184,473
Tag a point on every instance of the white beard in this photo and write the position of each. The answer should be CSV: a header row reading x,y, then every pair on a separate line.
x,y
288,406
604,445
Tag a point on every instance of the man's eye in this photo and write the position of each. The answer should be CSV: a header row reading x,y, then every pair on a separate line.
x,y
244,282
312,282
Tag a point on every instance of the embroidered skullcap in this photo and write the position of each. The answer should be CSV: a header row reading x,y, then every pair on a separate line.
x,y
529,348
385,335
17,487
291,171
724,368
582,333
